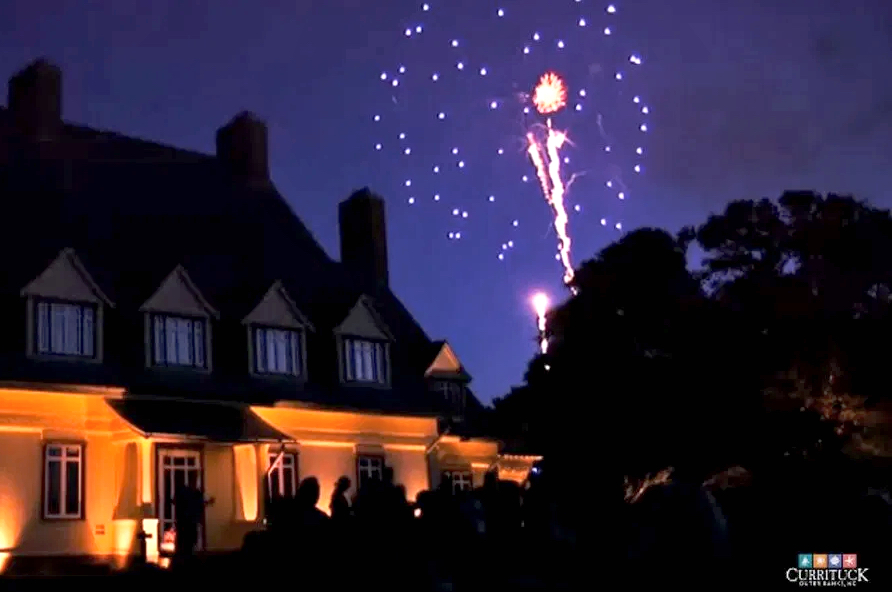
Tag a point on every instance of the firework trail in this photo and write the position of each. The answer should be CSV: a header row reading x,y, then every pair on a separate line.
x,y
549,97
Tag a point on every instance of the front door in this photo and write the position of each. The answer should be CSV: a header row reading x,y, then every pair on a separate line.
x,y
176,468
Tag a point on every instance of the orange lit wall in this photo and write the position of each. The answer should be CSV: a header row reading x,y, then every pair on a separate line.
x,y
479,456
329,441
516,467
28,420
120,469
454,454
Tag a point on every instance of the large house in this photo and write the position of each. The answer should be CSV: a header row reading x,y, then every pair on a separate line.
x,y
167,318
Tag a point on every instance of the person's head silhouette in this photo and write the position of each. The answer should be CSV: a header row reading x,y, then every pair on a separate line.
x,y
308,492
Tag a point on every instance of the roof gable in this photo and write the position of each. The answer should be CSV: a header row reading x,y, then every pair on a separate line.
x,y
446,363
66,279
363,321
277,309
177,294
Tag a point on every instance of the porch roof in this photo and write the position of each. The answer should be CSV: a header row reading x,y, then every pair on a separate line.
x,y
195,420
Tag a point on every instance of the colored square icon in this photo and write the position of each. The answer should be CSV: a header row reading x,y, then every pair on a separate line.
x,y
820,561
834,561
804,561
850,561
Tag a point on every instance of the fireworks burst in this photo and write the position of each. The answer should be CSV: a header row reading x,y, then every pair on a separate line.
x,y
448,123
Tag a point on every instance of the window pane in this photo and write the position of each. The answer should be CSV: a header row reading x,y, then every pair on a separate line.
x,y
160,342
260,349
54,488
185,342
367,365
170,333
356,346
380,362
43,327
373,360
283,352
72,328
348,360
270,350
72,488
57,329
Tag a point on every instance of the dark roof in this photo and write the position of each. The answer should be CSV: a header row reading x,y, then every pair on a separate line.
x,y
214,422
132,211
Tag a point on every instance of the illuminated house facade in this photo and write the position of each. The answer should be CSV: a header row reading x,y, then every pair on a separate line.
x,y
167,318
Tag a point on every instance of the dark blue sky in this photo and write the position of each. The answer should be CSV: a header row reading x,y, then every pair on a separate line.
x,y
745,97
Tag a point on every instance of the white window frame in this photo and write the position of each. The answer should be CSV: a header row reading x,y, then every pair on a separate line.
x,y
373,361
369,467
296,357
278,463
154,349
462,480
64,459
453,394
45,310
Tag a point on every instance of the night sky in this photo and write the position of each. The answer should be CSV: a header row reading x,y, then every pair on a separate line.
x,y
744,98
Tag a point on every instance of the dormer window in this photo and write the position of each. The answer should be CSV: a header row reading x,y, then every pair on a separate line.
x,y
178,325
276,336
65,329
448,380
278,351
364,346
64,312
179,341
365,361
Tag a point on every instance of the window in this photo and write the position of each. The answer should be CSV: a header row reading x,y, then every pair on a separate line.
x,y
63,481
365,361
461,481
178,341
66,329
282,475
277,351
369,468
453,394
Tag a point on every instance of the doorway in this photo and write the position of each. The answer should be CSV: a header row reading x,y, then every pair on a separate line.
x,y
176,468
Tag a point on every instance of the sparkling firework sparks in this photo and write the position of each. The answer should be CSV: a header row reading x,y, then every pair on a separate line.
x,y
540,304
457,116
550,96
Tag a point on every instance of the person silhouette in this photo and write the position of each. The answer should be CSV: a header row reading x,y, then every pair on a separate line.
x,y
339,505
189,510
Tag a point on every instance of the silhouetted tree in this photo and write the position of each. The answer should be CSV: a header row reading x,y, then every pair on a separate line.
x,y
776,346
809,276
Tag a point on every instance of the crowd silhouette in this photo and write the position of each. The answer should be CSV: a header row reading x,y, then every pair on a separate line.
x,y
379,535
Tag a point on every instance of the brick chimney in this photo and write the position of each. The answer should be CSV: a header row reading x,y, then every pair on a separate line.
x,y
364,238
243,148
35,100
